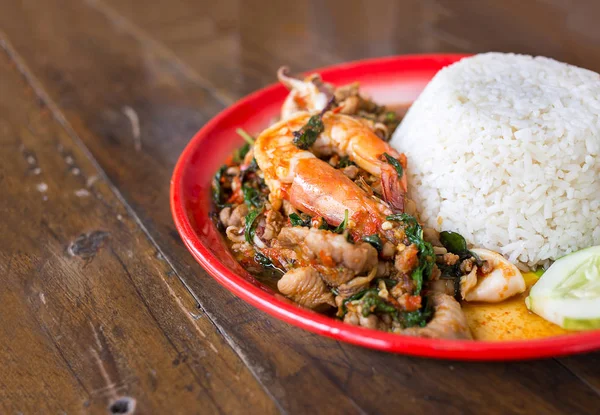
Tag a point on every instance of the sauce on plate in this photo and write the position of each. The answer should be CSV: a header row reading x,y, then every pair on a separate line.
x,y
510,319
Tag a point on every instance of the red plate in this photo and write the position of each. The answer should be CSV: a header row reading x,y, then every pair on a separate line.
x,y
394,80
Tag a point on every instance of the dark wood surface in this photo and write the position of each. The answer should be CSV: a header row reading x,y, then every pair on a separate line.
x,y
101,306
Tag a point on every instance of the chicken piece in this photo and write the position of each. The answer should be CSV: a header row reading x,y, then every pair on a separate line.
x,y
305,286
450,259
443,286
356,285
331,251
432,236
407,259
372,321
448,321
272,226
230,216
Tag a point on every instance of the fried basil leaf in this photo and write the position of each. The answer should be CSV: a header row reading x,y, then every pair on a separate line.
x,y
374,240
418,318
342,226
345,162
217,189
250,227
252,197
414,233
395,164
308,134
300,220
324,225
372,303
453,242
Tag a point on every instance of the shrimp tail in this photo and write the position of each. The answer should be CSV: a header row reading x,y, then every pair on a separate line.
x,y
392,189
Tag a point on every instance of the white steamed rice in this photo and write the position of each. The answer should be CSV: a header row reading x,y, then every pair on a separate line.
x,y
503,149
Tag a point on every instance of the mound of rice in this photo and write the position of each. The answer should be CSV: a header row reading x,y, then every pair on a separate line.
x,y
503,149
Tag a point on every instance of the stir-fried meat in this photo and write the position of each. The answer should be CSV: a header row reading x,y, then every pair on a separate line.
x,y
404,286
235,234
407,259
327,164
346,91
448,321
305,286
443,286
271,226
350,171
356,285
450,259
372,321
233,216
432,236
330,251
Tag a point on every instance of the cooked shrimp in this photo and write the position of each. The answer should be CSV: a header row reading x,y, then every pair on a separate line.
x,y
312,185
502,282
448,322
310,94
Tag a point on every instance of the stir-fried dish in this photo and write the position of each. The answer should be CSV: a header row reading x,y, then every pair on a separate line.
x,y
318,203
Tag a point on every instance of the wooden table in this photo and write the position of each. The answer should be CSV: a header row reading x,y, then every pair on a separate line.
x,y
102,309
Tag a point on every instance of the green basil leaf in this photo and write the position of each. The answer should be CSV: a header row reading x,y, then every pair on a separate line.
x,y
297,220
453,242
345,162
372,303
342,226
414,233
374,240
306,136
395,164
251,224
252,197
217,189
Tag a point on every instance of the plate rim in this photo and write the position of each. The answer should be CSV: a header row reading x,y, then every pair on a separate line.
x,y
298,316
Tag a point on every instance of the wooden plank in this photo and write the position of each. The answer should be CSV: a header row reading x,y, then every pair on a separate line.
x,y
312,36
101,70
92,316
250,40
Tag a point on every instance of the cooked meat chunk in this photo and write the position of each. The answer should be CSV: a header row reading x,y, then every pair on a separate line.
x,y
407,260
443,286
450,259
404,286
305,286
331,250
350,171
233,216
356,285
272,226
448,321
432,236
371,321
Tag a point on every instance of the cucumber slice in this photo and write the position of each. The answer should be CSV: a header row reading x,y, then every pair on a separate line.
x,y
568,294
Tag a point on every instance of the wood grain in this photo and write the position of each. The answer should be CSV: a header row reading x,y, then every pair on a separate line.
x,y
171,67
92,316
